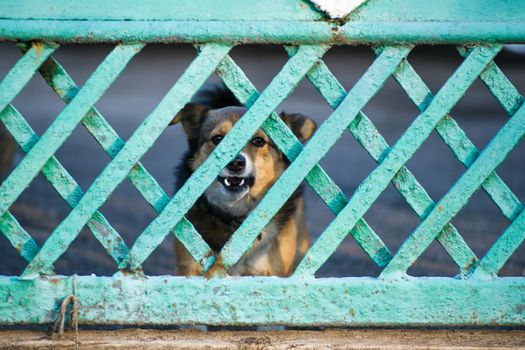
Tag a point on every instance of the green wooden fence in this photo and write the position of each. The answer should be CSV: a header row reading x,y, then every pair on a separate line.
x,y
477,296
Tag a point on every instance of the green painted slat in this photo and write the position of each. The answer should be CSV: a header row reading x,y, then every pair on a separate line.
x,y
64,184
64,124
11,85
405,147
194,244
445,10
226,32
500,87
510,99
105,135
362,301
419,93
455,137
18,236
466,153
132,151
495,152
280,87
261,32
260,10
286,141
281,21
374,143
161,10
503,249
323,139
462,147
23,71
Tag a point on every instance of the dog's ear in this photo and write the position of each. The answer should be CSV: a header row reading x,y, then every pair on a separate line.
x,y
191,116
302,126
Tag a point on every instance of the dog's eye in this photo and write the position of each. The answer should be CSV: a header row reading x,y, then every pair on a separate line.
x,y
258,142
216,139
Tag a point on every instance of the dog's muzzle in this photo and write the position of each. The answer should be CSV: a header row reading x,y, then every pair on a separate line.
x,y
236,183
236,177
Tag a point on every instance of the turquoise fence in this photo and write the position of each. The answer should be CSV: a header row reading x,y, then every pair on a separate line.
x,y
475,297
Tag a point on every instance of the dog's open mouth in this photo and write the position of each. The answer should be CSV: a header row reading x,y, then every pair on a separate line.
x,y
235,183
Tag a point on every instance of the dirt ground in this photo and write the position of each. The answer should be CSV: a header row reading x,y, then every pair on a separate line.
x,y
152,73
289,339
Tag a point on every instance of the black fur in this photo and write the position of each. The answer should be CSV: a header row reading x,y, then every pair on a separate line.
x,y
215,96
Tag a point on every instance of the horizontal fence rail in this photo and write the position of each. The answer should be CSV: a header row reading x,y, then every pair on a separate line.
x,y
475,297
278,21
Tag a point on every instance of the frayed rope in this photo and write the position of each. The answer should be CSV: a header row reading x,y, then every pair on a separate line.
x,y
58,328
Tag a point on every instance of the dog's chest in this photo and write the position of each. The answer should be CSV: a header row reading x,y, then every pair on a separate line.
x,y
214,230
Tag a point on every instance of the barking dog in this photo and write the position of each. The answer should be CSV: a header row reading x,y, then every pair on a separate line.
x,y
240,187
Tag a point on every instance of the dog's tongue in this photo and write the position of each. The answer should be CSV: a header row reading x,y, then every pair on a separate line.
x,y
234,181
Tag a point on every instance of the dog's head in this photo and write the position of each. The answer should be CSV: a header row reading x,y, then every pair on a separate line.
x,y
245,180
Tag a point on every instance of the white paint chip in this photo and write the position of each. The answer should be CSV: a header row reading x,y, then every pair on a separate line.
x,y
337,8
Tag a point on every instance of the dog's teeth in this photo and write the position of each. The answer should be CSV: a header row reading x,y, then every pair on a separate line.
x,y
227,182
242,182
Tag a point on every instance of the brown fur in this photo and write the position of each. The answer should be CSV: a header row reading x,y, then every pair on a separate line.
x,y
284,241
7,148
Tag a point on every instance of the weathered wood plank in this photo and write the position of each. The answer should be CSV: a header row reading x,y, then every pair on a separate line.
x,y
350,339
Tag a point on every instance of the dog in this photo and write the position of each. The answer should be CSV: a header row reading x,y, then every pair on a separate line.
x,y
240,187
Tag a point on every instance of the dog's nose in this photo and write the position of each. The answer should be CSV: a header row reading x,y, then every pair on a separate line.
x,y
237,164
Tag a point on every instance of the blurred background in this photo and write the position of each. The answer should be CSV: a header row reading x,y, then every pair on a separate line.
x,y
152,73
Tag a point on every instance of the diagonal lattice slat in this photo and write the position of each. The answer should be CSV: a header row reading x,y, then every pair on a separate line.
x,y
64,124
60,178
324,138
288,143
503,248
405,147
373,142
465,150
456,139
55,173
10,87
500,86
22,72
458,142
64,183
280,87
132,151
510,99
105,135
24,244
506,138
15,80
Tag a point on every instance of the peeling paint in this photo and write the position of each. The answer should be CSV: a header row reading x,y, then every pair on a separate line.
x,y
145,300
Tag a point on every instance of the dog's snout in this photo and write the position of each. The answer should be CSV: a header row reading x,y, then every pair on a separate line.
x,y
237,164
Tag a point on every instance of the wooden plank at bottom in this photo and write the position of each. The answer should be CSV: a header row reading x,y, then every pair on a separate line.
x,y
405,339
352,301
